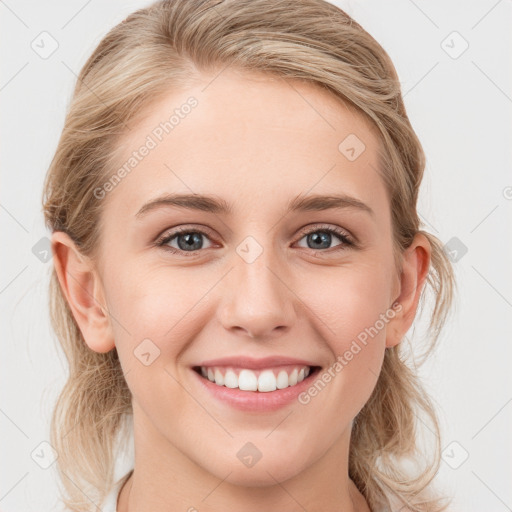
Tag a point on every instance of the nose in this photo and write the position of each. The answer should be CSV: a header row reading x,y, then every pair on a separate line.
x,y
257,299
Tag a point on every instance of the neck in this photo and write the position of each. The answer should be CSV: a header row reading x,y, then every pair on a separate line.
x,y
163,475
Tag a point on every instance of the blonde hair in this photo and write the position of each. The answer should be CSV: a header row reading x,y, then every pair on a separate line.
x,y
162,47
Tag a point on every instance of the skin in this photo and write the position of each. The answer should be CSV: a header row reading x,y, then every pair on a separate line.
x,y
256,142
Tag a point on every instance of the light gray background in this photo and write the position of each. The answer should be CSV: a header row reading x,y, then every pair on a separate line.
x,y
460,106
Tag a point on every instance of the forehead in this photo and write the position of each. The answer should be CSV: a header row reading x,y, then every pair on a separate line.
x,y
247,135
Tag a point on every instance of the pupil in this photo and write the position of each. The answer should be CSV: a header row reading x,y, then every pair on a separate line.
x,y
192,241
325,237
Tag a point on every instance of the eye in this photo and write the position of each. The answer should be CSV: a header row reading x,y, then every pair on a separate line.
x,y
320,237
188,240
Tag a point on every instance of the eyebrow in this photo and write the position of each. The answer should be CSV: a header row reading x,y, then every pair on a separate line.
x,y
213,204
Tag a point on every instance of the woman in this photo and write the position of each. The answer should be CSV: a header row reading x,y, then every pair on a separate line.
x,y
238,257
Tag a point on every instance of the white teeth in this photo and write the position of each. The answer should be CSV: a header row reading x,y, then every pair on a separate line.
x,y
248,380
282,380
219,378
266,381
230,379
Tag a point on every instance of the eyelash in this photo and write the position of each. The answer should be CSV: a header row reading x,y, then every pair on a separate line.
x,y
343,236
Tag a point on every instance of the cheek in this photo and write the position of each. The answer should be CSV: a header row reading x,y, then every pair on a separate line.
x,y
152,320
353,310
154,305
349,300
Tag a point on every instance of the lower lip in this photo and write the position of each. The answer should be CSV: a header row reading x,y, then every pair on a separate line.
x,y
256,401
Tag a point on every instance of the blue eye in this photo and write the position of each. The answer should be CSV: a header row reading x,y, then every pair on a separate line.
x,y
190,241
318,236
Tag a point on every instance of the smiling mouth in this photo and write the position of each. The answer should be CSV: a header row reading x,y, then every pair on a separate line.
x,y
263,381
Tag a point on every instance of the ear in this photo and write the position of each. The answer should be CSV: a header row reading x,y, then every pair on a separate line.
x,y
415,268
83,289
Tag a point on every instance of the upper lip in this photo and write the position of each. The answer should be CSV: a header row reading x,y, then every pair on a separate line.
x,y
255,364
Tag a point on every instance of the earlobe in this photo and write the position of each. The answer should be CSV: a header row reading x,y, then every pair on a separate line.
x,y
83,290
415,268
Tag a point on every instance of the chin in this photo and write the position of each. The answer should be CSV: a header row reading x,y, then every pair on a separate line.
x,y
263,473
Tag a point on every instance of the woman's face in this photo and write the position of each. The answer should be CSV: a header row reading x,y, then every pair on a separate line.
x,y
261,278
